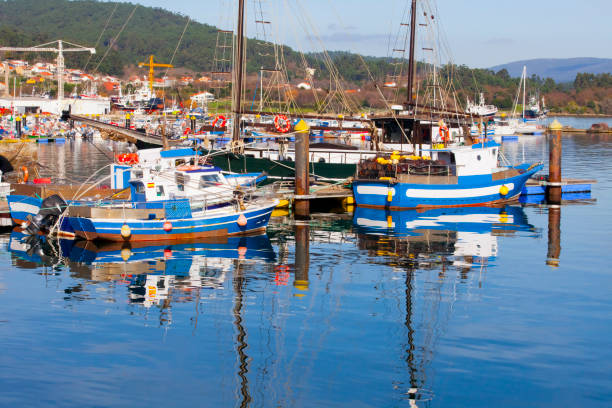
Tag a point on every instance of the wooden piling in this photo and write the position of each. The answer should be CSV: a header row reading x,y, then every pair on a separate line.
x,y
554,236
302,256
302,182
553,191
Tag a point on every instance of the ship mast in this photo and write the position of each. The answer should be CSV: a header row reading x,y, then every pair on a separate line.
x,y
411,57
238,70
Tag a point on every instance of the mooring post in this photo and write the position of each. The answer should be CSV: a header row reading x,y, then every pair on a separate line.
x,y
553,190
302,183
127,121
554,236
302,256
18,125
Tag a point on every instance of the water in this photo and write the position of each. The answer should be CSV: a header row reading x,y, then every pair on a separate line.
x,y
460,309
579,122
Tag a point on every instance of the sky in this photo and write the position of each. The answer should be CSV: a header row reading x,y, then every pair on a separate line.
x,y
479,33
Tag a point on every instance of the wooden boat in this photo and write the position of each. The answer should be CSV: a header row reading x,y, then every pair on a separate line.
x,y
173,221
452,177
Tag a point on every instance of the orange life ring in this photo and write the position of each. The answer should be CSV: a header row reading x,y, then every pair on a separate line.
x,y
282,123
444,134
221,118
128,158
24,171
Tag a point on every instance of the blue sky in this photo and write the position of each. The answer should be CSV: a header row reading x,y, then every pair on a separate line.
x,y
480,33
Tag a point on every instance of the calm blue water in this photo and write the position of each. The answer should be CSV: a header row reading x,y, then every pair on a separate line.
x,y
579,122
454,308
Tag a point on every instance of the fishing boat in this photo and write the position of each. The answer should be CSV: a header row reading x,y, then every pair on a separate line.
x,y
169,220
480,108
454,176
145,180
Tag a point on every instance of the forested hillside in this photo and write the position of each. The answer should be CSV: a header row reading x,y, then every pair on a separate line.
x,y
157,31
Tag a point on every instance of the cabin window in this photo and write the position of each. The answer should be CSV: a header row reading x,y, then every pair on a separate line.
x,y
137,174
209,180
160,191
478,157
140,189
180,187
494,152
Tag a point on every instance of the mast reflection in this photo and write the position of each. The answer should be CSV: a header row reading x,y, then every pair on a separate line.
x,y
437,240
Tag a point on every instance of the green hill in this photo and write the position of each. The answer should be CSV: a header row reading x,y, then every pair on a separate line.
x,y
149,31
157,31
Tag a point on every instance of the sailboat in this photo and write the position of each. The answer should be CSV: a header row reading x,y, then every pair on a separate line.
x,y
523,125
389,132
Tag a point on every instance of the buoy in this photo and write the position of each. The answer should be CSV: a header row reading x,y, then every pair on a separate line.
x,y
242,251
302,127
167,253
126,253
126,231
24,175
167,226
242,221
389,222
556,125
390,195
503,190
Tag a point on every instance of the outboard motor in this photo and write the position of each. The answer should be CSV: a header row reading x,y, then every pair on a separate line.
x,y
52,207
5,165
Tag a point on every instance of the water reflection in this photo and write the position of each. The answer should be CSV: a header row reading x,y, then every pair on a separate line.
x,y
156,274
456,236
419,257
440,241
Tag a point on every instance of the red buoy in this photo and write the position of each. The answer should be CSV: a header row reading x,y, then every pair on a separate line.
x,y
167,226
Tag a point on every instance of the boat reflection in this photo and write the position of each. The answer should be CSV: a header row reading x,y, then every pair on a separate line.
x,y
154,273
468,235
432,248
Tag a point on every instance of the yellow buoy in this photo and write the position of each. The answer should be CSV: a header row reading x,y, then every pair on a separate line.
x,y
503,190
390,195
556,125
302,127
389,222
126,231
282,204
350,200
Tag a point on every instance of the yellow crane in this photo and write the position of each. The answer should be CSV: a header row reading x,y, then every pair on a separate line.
x,y
152,65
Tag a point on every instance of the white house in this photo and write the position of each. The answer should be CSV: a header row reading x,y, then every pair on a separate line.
x,y
303,85
202,97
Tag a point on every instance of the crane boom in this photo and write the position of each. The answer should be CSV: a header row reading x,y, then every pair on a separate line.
x,y
152,65
60,58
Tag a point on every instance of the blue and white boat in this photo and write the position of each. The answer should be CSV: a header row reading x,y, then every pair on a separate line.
x,y
159,177
168,220
455,176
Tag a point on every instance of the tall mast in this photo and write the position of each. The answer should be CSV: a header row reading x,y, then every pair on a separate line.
x,y
238,69
524,88
411,60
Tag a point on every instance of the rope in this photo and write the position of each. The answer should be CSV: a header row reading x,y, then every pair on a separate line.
x,y
114,41
101,34
178,45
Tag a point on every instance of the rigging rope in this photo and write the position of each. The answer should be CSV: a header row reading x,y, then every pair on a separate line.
x,y
101,34
114,41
